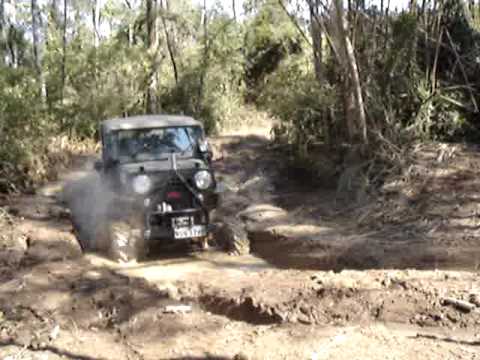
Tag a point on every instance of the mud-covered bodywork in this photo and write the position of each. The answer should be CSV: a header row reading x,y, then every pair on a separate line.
x,y
159,170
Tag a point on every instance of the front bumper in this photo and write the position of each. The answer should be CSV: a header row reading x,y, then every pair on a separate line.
x,y
160,226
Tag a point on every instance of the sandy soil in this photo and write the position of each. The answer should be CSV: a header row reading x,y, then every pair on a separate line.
x,y
321,283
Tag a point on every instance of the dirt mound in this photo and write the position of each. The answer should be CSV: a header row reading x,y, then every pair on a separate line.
x,y
408,297
436,201
424,218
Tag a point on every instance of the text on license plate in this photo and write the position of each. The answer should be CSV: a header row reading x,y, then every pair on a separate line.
x,y
190,232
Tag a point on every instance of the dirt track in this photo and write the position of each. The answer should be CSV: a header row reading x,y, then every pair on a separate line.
x,y
314,288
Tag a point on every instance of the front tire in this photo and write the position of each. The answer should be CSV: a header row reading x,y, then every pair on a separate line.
x,y
232,237
127,243
100,240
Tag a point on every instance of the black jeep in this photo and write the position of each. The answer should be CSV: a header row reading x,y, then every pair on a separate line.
x,y
157,170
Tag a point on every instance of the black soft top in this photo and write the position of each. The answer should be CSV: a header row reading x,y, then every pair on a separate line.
x,y
148,121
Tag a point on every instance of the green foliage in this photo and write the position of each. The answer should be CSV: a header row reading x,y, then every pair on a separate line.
x,y
270,38
294,95
410,85
441,113
210,86
24,126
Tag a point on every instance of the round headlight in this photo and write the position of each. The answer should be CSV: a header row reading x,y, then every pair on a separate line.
x,y
141,184
203,179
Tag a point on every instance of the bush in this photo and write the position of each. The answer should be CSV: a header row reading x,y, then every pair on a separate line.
x,y
307,110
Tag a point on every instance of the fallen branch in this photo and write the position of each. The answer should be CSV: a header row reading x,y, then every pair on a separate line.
x,y
448,339
464,73
459,304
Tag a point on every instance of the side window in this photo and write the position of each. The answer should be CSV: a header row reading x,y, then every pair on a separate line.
x,y
196,133
108,148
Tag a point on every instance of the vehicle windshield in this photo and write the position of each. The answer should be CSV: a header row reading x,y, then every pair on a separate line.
x,y
153,144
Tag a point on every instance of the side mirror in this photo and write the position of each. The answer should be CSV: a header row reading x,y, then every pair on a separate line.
x,y
98,165
203,146
204,149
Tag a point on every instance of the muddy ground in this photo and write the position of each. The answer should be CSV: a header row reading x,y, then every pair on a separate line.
x,y
393,277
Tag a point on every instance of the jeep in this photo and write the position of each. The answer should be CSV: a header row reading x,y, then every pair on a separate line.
x,y
158,170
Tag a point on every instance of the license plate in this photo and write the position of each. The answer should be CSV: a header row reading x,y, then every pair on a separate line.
x,y
182,222
190,232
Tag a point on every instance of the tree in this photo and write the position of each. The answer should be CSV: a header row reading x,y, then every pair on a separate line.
x,y
37,46
164,5
206,52
152,50
3,38
96,16
317,37
353,85
64,48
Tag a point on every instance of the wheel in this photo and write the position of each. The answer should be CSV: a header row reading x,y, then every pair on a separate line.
x,y
89,201
126,242
90,232
204,245
99,239
231,236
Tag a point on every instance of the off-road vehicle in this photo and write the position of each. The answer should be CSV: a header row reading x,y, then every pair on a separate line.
x,y
161,185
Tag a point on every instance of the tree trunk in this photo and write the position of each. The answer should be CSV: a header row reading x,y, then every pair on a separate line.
x,y
234,9
3,37
170,46
55,13
354,78
96,12
316,33
37,47
151,14
413,7
385,44
130,34
130,25
205,62
11,45
64,48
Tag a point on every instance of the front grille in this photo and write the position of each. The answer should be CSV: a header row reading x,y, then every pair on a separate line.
x,y
185,200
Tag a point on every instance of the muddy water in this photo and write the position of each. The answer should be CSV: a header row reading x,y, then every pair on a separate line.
x,y
212,268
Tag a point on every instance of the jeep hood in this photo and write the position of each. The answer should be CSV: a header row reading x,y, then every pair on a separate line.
x,y
161,166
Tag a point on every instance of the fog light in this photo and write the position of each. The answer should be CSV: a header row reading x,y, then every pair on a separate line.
x,y
147,202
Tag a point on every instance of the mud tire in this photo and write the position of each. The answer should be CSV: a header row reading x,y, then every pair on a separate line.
x,y
99,240
126,242
231,236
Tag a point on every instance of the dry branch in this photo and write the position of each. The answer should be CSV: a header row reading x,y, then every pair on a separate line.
x,y
462,68
459,304
451,339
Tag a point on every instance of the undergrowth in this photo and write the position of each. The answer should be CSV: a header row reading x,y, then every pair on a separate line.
x,y
36,161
